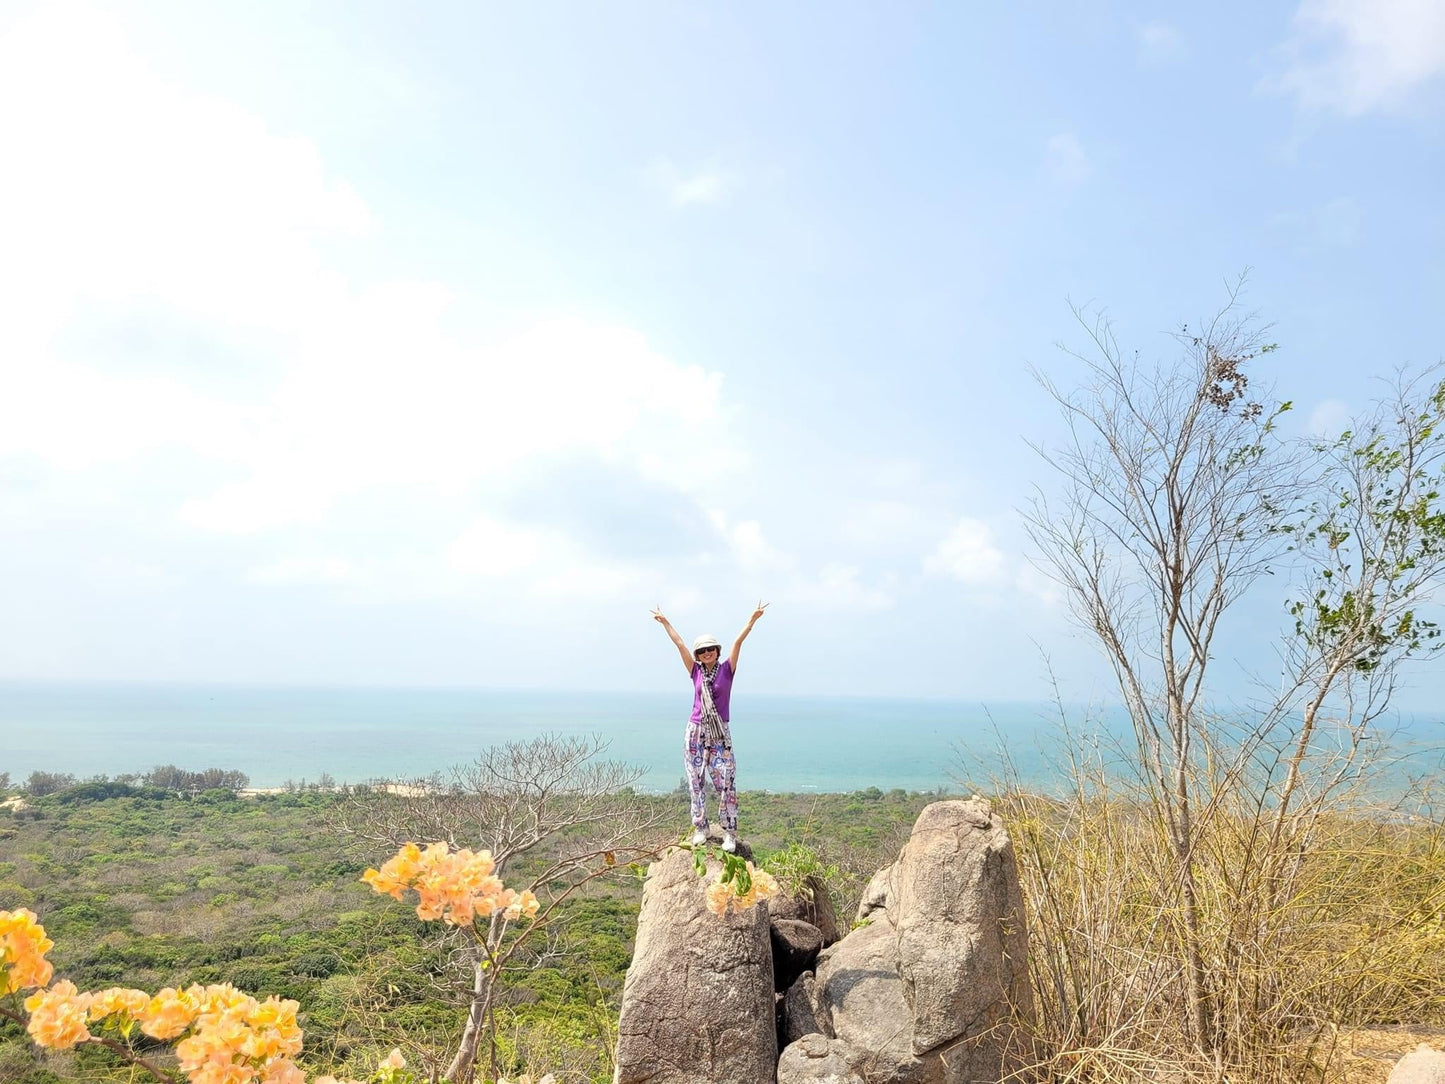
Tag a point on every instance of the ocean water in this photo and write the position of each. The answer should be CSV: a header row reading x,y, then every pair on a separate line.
x,y
276,735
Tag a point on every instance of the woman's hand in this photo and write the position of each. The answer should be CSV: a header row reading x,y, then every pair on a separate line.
x,y
758,612
657,615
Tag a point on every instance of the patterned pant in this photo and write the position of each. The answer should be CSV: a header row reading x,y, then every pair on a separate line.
x,y
718,762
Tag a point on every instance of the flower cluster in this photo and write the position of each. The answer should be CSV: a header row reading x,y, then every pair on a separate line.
x,y
23,946
226,1036
455,886
233,1038
740,888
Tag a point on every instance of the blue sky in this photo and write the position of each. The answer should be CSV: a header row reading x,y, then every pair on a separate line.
x,y
374,344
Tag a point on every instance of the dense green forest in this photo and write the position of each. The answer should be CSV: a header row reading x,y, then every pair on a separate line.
x,y
144,887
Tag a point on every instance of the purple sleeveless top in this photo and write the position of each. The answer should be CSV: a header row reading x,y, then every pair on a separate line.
x,y
722,687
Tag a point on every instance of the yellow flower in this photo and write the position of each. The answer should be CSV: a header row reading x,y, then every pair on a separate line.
x,y
118,1002
454,886
761,886
282,1071
394,1060
57,1016
23,946
718,896
169,1013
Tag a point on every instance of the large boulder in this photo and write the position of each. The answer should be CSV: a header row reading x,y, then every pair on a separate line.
x,y
934,983
861,996
815,1059
795,947
1421,1066
810,903
803,1011
962,943
875,896
697,1006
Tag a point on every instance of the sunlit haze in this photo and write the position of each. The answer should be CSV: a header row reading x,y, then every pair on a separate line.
x,y
382,344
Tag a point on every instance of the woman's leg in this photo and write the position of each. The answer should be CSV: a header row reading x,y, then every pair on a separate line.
x,y
693,762
724,769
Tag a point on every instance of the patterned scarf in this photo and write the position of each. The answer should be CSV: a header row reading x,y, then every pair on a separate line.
x,y
717,730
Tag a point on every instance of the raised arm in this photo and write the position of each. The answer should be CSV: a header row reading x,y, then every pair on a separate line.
x,y
738,643
672,634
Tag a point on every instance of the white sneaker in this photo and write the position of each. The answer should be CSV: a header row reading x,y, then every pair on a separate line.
x,y
729,844
699,838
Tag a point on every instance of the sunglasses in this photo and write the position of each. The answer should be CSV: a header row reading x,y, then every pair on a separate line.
x,y
705,650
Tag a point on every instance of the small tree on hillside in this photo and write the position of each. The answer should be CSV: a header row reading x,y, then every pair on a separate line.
x,y
552,801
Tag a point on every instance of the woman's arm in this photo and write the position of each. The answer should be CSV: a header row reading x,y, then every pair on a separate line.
x,y
682,650
738,643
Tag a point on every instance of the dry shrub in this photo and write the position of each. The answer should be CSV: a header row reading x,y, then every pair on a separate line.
x,y
1341,925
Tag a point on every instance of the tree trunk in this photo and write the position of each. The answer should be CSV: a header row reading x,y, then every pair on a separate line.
x,y
460,1069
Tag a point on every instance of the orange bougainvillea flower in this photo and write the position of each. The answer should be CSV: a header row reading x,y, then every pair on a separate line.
x,y
721,896
23,946
169,1014
457,887
57,1016
118,1002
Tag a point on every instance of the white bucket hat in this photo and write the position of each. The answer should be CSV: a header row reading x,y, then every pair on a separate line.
x,y
705,641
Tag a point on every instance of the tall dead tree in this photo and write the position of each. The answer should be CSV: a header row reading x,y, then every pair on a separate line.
x,y
1173,487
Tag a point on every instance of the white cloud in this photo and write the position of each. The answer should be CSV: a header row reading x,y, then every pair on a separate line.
x,y
1355,56
142,201
1067,162
327,570
1329,418
969,554
839,586
1031,582
1159,43
705,186
888,525
143,198
748,547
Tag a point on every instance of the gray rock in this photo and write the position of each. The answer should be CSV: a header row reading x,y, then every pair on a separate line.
x,y
812,904
1421,1066
697,1006
859,990
802,1012
962,943
875,896
795,947
815,1059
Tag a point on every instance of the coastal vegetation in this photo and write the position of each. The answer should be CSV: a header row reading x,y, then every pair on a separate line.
x,y
164,888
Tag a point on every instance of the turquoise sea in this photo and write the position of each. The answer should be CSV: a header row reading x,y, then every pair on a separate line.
x,y
276,735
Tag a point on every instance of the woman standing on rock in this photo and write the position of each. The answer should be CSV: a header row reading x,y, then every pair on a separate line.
x,y
709,739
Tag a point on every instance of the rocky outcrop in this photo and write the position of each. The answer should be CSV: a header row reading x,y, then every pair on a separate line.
x,y
861,995
875,896
697,1005
803,1012
930,987
815,1059
962,945
934,982
812,904
795,946
1421,1066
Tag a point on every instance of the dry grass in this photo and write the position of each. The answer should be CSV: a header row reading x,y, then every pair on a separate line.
x,y
1315,951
